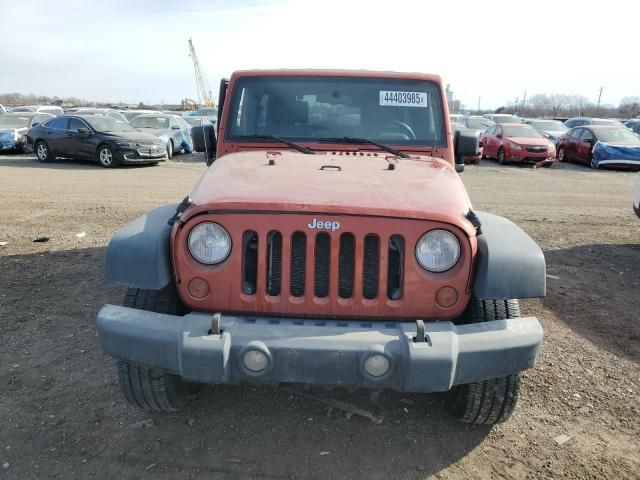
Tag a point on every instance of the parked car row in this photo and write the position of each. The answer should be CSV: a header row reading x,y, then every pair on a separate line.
x,y
100,138
600,145
597,142
59,133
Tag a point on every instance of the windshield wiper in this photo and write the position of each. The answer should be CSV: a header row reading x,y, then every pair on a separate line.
x,y
295,146
355,140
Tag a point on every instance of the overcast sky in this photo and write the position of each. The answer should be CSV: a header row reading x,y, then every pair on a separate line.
x,y
136,51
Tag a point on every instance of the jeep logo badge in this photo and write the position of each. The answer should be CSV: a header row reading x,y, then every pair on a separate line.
x,y
320,225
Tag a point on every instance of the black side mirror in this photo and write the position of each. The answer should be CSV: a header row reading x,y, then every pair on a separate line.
x,y
84,131
466,142
204,140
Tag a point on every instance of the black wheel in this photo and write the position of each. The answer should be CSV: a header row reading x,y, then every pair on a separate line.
x,y
501,159
42,151
491,401
145,387
170,149
561,157
106,157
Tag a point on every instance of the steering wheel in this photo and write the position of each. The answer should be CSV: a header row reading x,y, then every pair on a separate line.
x,y
406,129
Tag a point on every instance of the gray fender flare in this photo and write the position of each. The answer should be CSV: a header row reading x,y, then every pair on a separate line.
x,y
509,263
139,254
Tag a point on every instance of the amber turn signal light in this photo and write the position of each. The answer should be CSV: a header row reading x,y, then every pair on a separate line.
x,y
446,297
198,287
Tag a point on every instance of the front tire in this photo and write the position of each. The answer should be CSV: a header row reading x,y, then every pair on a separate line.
x,y
501,159
42,151
562,155
106,157
169,150
494,400
145,387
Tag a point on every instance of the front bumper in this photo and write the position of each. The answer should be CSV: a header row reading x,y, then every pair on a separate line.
x,y
144,154
522,156
320,352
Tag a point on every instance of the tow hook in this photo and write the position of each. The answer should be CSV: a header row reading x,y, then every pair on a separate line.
x,y
419,338
216,321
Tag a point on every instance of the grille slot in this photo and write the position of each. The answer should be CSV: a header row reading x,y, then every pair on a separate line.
x,y
395,267
274,263
322,263
371,267
249,262
346,265
298,263
536,149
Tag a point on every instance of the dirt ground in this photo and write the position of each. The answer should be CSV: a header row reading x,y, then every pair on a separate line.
x,y
62,415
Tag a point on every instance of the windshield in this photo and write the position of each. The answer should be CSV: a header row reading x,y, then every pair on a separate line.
x,y
506,119
207,112
548,125
604,121
14,121
617,135
395,111
195,121
108,124
524,132
150,122
131,115
479,123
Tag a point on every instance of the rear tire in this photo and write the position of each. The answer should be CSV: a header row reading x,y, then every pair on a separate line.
x,y
491,401
145,387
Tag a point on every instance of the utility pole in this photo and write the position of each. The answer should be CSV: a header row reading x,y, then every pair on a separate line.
x,y
599,98
516,104
524,100
479,98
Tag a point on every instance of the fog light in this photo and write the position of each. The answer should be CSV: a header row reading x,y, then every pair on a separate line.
x,y
255,361
447,297
377,365
198,287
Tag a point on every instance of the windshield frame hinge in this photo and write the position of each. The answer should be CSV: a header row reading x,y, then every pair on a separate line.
x,y
475,221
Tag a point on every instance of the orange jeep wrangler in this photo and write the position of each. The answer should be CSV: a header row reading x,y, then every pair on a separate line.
x,y
330,242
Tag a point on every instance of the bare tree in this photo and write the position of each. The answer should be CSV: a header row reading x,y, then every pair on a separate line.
x,y
630,107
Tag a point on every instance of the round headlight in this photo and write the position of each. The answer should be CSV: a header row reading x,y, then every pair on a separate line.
x,y
437,250
209,243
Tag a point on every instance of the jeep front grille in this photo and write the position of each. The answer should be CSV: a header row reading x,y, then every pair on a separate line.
x,y
320,270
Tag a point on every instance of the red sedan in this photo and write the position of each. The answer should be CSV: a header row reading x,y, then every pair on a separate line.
x,y
517,143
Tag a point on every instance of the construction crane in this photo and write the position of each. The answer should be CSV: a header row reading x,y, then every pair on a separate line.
x,y
204,92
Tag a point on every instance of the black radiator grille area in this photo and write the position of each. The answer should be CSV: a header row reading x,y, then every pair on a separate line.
x,y
250,262
395,264
350,252
298,263
274,263
346,265
322,262
371,267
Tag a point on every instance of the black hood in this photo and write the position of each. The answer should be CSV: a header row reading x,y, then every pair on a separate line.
x,y
135,137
